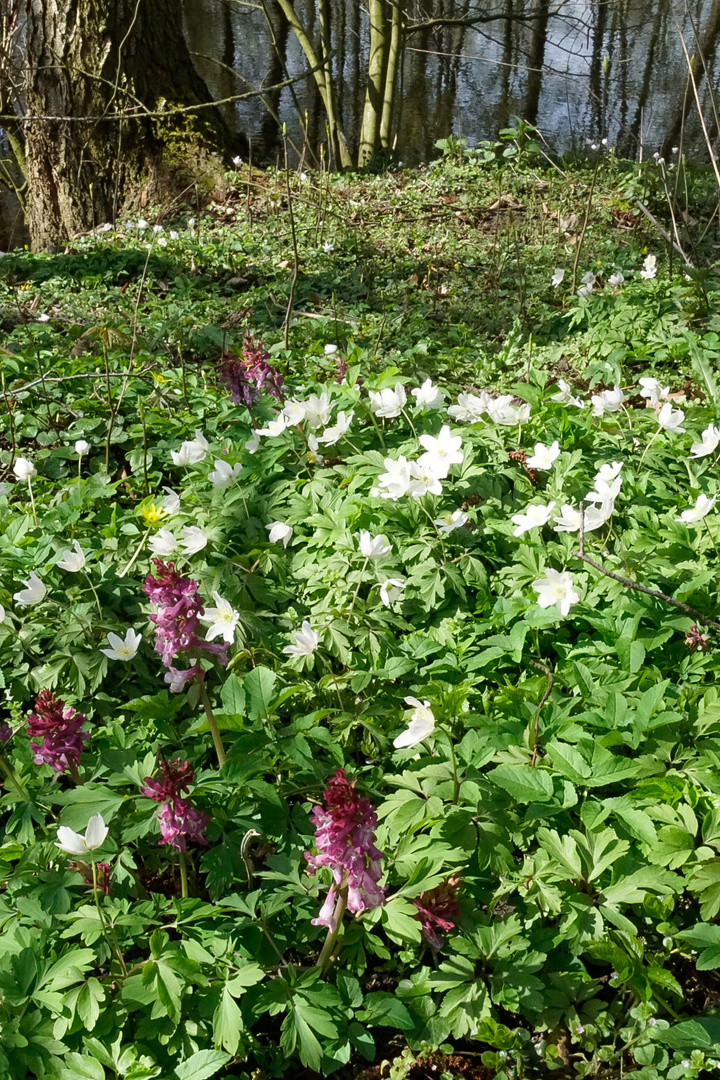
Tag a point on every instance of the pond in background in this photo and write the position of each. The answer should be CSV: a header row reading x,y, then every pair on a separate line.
x,y
598,69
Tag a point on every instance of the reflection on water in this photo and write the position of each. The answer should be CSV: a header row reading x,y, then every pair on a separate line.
x,y
596,69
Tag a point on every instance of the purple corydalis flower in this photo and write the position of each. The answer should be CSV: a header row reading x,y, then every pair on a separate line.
x,y
6,733
245,376
178,612
344,831
179,821
695,641
59,730
438,910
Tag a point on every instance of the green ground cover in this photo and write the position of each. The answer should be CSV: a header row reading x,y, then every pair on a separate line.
x,y
359,695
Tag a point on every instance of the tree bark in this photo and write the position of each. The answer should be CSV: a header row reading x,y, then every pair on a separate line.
x,y
374,93
86,62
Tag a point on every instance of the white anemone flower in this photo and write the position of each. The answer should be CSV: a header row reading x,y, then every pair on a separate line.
x,y
395,482
123,648
653,390
425,477
305,641
710,439
82,447
163,543
502,411
373,547
428,396
294,411
317,410
333,434
556,590
24,469
441,452
330,349
470,408
391,590
33,593
616,280
671,419
221,621
609,471
565,396
701,509
649,269
224,474
604,491
608,401
192,451
275,427
569,519
544,456
279,532
171,502
78,844
72,561
450,521
388,403
422,724
535,516
252,445
558,277
194,539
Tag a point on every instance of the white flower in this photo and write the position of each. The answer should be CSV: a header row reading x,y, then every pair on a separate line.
x,y
428,396
279,531
163,543
588,284
253,443
77,844
649,269
426,474
556,589
237,161
224,474
565,395
123,648
441,452
193,540
652,390
534,517
544,456
710,439
2,613
191,223
388,403
192,451
43,318
33,592
303,176
608,401
502,411
609,471
317,411
333,434
702,507
391,590
306,642
174,234
373,547
558,276
568,520
162,241
328,248
24,469
453,519
616,279
171,502
81,447
274,428
605,491
294,412
671,419
422,724
470,408
221,620
72,561
142,224
330,349
396,481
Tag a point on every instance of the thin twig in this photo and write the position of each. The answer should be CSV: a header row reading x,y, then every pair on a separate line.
x,y
663,232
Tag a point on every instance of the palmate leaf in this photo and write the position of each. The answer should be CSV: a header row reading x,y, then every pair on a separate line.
x,y
227,1023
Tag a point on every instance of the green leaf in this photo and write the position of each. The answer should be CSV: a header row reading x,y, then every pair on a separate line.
x,y
385,1010
201,1065
80,1067
90,998
258,687
524,783
232,696
227,1023
400,920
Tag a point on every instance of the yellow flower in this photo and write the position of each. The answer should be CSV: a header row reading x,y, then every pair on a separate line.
x,y
152,513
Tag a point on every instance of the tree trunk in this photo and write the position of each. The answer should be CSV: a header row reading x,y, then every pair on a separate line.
x,y
90,59
374,93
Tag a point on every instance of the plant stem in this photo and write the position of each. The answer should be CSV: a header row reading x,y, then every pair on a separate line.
x,y
357,590
135,556
107,930
326,955
6,768
73,770
97,598
456,778
183,875
212,723
32,501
